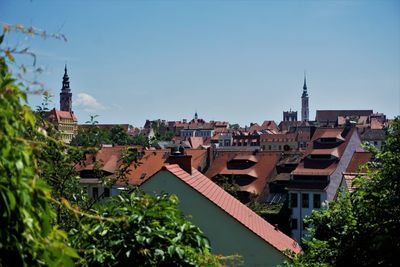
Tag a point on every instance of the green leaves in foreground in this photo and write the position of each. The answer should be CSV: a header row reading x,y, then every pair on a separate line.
x,y
140,230
27,234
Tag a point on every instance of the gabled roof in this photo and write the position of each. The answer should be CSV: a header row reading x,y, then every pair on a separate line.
x,y
235,209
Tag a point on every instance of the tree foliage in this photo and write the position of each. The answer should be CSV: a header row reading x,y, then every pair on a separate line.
x,y
27,235
139,230
37,174
361,228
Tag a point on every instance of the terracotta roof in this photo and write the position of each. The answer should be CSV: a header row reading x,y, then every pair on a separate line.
x,y
195,142
324,168
332,115
149,164
235,209
326,151
58,115
261,170
329,133
358,159
107,157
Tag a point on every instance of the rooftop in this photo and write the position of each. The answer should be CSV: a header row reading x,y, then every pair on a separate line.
x,y
235,209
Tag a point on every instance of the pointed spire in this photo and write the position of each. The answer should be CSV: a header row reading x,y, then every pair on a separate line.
x,y
305,93
65,83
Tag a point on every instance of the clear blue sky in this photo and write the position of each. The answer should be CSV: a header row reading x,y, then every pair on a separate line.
x,y
239,61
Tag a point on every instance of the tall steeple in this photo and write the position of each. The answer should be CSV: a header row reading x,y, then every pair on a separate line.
x,y
304,102
65,95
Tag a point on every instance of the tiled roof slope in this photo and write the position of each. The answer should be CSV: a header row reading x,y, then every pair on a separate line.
x,y
235,209
358,159
264,165
58,115
336,151
149,163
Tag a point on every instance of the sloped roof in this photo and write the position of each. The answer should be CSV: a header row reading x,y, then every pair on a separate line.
x,y
264,165
359,158
235,209
58,115
149,164
107,156
336,151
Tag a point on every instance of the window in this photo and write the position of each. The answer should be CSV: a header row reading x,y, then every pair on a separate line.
x,y
293,200
304,200
269,147
294,224
305,225
280,147
95,192
317,201
106,192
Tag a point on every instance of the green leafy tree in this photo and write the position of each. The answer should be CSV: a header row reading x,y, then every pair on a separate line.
x,y
119,136
139,230
27,236
361,228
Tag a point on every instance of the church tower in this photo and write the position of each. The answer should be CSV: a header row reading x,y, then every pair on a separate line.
x,y
304,102
65,95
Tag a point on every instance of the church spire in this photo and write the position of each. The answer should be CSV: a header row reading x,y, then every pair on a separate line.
x,y
304,102
65,95
305,93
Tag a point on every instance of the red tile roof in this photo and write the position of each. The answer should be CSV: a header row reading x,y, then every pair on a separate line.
x,y
358,159
107,156
149,164
58,115
336,151
235,209
264,165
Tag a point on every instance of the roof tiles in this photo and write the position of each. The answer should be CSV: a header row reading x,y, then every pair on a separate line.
x,y
235,209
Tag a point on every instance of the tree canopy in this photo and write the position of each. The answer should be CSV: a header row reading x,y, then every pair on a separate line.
x,y
37,178
361,228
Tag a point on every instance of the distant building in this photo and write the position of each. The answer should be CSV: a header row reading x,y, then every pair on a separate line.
x,y
290,115
279,142
64,120
330,118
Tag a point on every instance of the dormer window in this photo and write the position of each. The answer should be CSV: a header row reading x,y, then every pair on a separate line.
x,y
321,157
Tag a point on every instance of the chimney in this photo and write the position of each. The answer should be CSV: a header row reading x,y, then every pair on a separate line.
x,y
178,156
